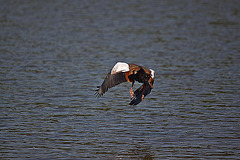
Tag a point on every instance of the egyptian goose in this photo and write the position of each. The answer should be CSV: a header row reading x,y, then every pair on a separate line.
x,y
124,72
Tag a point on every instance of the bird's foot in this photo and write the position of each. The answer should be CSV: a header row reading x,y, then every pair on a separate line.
x,y
142,97
131,93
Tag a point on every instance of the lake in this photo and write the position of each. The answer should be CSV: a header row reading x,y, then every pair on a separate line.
x,y
54,54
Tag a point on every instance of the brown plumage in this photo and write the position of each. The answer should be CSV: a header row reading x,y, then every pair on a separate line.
x,y
123,72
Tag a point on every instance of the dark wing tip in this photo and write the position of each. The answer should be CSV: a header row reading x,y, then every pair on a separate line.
x,y
98,93
135,101
131,103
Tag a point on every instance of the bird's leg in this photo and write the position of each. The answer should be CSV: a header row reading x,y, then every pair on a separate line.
x,y
131,90
143,91
150,82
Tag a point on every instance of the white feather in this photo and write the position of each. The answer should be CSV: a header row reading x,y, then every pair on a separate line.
x,y
120,67
152,73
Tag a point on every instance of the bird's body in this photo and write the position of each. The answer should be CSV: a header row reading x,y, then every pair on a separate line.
x,y
123,72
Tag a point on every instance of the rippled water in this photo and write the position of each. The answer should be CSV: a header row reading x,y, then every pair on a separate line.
x,y
53,54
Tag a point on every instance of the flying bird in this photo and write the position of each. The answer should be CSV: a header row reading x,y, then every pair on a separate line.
x,y
124,72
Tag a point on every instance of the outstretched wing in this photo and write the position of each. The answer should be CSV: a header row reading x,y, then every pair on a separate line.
x,y
110,81
139,92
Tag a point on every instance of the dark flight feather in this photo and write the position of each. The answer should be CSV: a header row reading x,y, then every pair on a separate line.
x,y
110,81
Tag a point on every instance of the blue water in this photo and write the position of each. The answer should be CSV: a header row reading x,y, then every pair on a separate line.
x,y
54,54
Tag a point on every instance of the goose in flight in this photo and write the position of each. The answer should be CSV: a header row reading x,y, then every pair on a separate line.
x,y
128,72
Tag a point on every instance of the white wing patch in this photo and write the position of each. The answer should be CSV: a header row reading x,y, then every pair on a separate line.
x,y
120,67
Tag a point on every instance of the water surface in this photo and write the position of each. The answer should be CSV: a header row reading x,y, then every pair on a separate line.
x,y
54,54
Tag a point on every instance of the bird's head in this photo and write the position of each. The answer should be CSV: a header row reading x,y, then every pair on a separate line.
x,y
152,73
